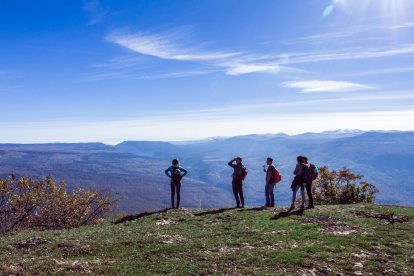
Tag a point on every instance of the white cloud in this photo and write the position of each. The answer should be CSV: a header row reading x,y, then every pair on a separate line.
x,y
325,86
349,54
164,46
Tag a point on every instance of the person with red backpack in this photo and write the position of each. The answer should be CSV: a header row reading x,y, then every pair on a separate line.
x,y
239,174
176,173
300,173
310,177
273,177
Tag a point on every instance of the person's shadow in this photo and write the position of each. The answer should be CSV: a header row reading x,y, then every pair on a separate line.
x,y
288,213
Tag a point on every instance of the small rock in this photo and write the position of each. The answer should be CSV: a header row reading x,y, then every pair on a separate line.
x,y
359,265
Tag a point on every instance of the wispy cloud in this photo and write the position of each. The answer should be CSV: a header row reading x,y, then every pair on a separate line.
x,y
95,11
350,54
386,71
325,86
170,45
165,46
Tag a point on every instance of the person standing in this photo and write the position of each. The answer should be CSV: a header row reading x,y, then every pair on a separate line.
x,y
176,173
239,175
309,180
272,177
298,182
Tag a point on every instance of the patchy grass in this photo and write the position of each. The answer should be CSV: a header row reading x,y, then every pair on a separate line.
x,y
323,241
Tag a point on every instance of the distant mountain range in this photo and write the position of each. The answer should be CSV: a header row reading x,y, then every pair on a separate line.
x,y
134,170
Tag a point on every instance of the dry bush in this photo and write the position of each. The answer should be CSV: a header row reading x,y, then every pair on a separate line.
x,y
342,187
45,204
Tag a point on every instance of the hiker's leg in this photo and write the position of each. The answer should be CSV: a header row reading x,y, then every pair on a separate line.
x,y
172,194
178,185
241,193
235,192
272,195
302,194
309,192
267,194
294,190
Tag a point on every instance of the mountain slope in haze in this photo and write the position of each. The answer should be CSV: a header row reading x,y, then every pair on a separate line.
x,y
134,171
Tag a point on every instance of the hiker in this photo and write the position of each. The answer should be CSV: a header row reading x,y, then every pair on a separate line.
x,y
272,177
312,175
176,173
298,182
239,175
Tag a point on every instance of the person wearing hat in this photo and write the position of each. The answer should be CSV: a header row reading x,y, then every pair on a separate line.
x,y
239,174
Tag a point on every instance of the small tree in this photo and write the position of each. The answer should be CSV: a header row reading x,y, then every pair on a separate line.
x,y
342,187
45,204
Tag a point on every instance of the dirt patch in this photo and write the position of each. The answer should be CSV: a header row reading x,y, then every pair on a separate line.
x,y
391,218
74,248
339,230
322,220
30,243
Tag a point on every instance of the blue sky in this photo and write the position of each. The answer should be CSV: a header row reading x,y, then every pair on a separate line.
x,y
78,71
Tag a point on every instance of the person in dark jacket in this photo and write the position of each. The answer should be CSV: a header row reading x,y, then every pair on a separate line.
x,y
270,182
176,173
308,185
298,182
237,183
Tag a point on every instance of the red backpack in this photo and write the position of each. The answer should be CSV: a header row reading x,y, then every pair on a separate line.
x,y
276,177
313,171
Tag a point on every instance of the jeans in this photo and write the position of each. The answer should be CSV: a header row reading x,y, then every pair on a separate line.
x,y
302,193
175,187
237,186
270,196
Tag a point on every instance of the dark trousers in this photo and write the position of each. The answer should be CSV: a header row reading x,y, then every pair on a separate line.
x,y
238,191
309,192
270,196
175,187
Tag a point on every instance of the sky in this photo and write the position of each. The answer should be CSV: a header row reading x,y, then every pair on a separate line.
x,y
110,71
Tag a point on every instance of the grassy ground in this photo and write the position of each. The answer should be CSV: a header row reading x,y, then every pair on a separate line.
x,y
324,241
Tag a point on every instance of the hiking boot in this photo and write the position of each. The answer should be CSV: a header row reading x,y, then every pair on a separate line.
x,y
310,207
242,206
272,205
291,207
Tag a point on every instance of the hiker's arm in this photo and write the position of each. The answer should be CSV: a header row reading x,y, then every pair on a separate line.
x,y
168,172
231,163
185,172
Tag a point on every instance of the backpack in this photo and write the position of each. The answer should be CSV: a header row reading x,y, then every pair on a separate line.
x,y
276,177
176,176
306,173
313,171
243,173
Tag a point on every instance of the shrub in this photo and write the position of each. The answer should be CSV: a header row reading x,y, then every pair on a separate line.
x,y
45,204
342,187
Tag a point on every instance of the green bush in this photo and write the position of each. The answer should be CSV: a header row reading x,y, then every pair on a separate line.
x,y
342,187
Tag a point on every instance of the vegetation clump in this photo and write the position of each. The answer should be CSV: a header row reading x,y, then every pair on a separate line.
x,y
342,187
46,204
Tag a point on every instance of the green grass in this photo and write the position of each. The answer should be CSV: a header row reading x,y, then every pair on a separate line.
x,y
326,240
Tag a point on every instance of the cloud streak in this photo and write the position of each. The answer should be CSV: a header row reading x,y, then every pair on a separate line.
x,y
325,86
167,46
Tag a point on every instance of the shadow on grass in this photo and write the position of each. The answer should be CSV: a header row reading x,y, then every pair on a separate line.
x,y
140,215
213,212
288,213
253,209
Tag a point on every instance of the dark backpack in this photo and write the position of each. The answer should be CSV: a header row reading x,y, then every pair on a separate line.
x,y
176,176
243,174
306,173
